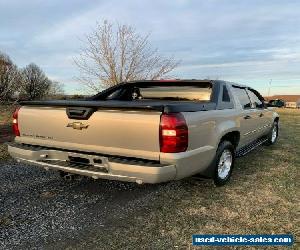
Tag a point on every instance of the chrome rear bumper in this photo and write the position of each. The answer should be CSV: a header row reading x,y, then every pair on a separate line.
x,y
94,165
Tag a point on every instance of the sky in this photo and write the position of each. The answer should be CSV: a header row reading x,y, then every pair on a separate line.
x,y
249,42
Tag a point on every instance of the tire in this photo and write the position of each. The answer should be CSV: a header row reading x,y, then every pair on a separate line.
x,y
223,170
273,134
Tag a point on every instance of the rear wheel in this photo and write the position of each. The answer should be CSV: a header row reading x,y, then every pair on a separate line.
x,y
273,134
224,163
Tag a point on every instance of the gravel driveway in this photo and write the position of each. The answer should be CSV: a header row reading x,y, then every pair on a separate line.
x,y
40,210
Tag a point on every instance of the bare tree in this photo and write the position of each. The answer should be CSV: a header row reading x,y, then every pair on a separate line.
x,y
117,54
55,89
35,84
9,78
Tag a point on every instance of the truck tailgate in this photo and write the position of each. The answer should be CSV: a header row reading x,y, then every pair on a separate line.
x,y
131,133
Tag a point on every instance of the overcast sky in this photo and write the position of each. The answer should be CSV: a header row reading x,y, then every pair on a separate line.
x,y
249,42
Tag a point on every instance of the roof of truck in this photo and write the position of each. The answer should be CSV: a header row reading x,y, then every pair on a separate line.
x,y
166,81
184,81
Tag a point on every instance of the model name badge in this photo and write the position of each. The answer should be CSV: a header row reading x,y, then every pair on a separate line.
x,y
38,136
77,125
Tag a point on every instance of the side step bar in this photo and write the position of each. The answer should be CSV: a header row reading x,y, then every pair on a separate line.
x,y
248,148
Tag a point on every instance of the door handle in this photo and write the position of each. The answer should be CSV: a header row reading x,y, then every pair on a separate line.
x,y
261,115
247,117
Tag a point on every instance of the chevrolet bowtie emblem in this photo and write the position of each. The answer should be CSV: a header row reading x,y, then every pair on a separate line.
x,y
77,125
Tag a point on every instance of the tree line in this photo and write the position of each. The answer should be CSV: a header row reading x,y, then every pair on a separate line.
x,y
28,83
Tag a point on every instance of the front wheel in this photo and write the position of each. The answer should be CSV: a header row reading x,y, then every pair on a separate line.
x,y
273,134
224,163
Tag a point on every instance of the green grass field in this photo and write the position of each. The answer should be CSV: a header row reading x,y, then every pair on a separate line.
x,y
262,198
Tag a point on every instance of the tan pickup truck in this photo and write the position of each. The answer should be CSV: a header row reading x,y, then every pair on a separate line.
x,y
146,131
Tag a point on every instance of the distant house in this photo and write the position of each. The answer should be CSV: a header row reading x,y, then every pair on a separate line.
x,y
291,105
291,101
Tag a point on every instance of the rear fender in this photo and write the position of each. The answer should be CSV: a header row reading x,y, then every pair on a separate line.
x,y
222,129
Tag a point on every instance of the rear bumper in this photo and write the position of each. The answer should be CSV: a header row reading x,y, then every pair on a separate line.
x,y
97,166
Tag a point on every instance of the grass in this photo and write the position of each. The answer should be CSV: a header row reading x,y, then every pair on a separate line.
x,y
262,198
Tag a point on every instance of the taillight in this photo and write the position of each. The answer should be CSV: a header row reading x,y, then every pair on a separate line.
x,y
173,133
15,125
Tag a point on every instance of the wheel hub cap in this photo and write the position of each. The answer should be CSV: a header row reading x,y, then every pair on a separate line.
x,y
274,134
225,163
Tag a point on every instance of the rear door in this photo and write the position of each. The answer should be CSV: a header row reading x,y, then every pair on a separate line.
x,y
247,116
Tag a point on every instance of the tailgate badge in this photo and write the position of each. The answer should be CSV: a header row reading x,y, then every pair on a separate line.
x,y
77,125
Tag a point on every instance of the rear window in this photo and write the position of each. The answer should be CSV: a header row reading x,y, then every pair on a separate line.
x,y
176,93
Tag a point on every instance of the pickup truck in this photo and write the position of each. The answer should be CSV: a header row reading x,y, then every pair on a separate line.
x,y
146,131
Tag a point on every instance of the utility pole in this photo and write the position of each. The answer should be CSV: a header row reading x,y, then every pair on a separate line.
x,y
269,88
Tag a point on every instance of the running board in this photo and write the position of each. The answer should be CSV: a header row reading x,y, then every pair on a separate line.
x,y
248,148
